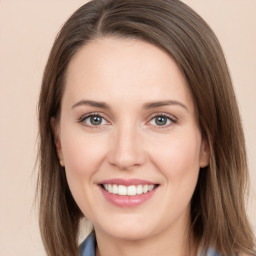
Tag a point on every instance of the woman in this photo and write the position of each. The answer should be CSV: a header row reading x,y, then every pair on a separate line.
x,y
140,134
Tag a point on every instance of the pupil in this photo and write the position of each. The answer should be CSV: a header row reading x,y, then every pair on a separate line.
x,y
160,120
96,120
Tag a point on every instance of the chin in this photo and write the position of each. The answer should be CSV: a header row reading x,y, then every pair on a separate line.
x,y
128,232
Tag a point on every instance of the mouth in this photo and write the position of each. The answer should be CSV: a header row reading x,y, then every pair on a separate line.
x,y
128,193
131,190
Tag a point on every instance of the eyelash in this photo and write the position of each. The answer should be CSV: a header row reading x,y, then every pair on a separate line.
x,y
83,118
172,120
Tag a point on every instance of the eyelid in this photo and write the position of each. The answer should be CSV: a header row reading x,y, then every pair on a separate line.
x,y
172,118
84,117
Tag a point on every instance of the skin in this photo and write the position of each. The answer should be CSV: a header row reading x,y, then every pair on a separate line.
x,y
127,75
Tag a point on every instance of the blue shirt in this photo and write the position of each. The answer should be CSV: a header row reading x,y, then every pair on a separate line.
x,y
87,248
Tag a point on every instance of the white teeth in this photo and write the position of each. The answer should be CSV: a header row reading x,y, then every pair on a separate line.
x,y
139,190
131,191
115,189
128,190
122,191
145,188
150,187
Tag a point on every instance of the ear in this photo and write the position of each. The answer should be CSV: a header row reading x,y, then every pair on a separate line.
x,y
204,154
55,130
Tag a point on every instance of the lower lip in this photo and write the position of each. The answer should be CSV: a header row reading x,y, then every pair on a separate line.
x,y
128,201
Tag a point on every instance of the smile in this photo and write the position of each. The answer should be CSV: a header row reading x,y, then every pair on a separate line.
x,y
131,190
127,193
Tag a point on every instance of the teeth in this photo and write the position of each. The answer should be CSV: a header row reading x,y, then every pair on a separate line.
x,y
150,187
128,190
145,188
131,191
115,189
122,190
139,190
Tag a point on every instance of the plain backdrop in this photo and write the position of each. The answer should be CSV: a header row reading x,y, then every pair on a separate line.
x,y
27,31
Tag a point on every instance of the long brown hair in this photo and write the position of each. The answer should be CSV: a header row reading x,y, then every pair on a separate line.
x,y
218,216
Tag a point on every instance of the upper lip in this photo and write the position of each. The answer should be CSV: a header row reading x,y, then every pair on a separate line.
x,y
127,182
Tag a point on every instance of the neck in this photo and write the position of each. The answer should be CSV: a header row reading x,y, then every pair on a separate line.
x,y
174,243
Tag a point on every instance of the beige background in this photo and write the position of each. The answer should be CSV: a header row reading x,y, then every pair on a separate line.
x,y
27,31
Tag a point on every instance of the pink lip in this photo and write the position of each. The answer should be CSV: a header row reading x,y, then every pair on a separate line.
x,y
127,201
127,182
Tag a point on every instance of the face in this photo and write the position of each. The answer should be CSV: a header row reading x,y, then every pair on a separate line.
x,y
129,138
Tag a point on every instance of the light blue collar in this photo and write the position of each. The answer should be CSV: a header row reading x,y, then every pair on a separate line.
x,y
87,248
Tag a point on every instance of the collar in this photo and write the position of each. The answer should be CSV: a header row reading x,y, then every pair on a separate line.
x,y
87,248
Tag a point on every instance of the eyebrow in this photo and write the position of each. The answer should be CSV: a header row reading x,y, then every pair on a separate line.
x,y
97,104
149,105
158,104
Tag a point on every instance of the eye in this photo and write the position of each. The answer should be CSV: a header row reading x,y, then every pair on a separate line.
x,y
93,120
161,120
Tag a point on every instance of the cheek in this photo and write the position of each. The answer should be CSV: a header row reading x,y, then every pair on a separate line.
x,y
179,164
177,157
82,154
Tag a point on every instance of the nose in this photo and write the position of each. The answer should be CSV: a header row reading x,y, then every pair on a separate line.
x,y
126,149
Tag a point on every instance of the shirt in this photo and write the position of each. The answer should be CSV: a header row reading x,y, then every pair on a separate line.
x,y
87,248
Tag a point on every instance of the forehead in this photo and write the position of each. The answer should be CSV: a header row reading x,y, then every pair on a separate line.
x,y
115,66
